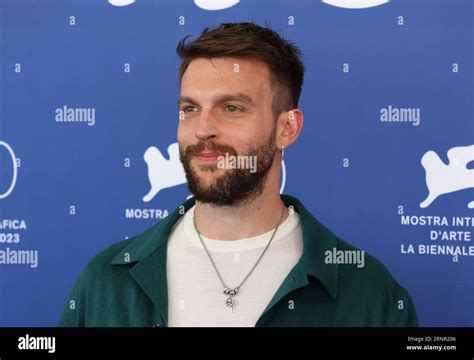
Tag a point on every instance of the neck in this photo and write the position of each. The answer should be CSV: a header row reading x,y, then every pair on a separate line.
x,y
234,222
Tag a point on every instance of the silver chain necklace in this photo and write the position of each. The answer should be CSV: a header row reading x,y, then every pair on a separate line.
x,y
231,301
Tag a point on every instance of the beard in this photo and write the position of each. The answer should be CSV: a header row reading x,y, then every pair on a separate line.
x,y
235,186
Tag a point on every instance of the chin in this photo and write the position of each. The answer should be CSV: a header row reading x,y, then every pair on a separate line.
x,y
208,170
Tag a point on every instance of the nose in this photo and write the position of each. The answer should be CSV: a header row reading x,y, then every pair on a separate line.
x,y
206,128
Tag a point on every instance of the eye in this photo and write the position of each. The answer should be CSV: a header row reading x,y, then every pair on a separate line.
x,y
232,108
186,108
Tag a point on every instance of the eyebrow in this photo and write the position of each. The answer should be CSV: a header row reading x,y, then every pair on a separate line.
x,y
221,98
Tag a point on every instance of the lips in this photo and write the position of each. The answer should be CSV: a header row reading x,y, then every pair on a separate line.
x,y
208,156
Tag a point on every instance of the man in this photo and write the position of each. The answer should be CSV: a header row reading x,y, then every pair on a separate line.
x,y
238,253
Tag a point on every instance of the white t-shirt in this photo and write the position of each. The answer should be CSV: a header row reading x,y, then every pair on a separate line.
x,y
195,293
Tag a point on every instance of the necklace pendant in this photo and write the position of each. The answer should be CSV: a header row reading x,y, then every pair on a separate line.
x,y
231,302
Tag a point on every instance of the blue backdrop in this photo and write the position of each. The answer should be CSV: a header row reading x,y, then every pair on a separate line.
x,y
87,87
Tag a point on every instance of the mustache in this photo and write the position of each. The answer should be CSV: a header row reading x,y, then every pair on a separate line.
x,y
196,149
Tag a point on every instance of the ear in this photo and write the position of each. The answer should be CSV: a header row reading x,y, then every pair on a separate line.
x,y
288,127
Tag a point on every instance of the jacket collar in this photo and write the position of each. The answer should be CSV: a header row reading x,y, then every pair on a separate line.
x,y
148,253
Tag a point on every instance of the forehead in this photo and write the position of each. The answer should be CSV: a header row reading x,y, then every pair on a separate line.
x,y
208,76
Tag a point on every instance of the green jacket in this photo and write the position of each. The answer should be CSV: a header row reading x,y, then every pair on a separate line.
x,y
126,284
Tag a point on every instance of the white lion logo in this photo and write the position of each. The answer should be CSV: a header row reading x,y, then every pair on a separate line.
x,y
443,179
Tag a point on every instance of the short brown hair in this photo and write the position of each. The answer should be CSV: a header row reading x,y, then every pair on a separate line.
x,y
251,41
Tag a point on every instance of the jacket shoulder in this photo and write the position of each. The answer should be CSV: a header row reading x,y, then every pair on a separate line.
x,y
372,286
92,283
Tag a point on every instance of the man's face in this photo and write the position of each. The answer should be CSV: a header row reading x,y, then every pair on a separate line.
x,y
226,112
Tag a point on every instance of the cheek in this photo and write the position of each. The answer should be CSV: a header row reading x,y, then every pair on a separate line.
x,y
245,138
183,133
